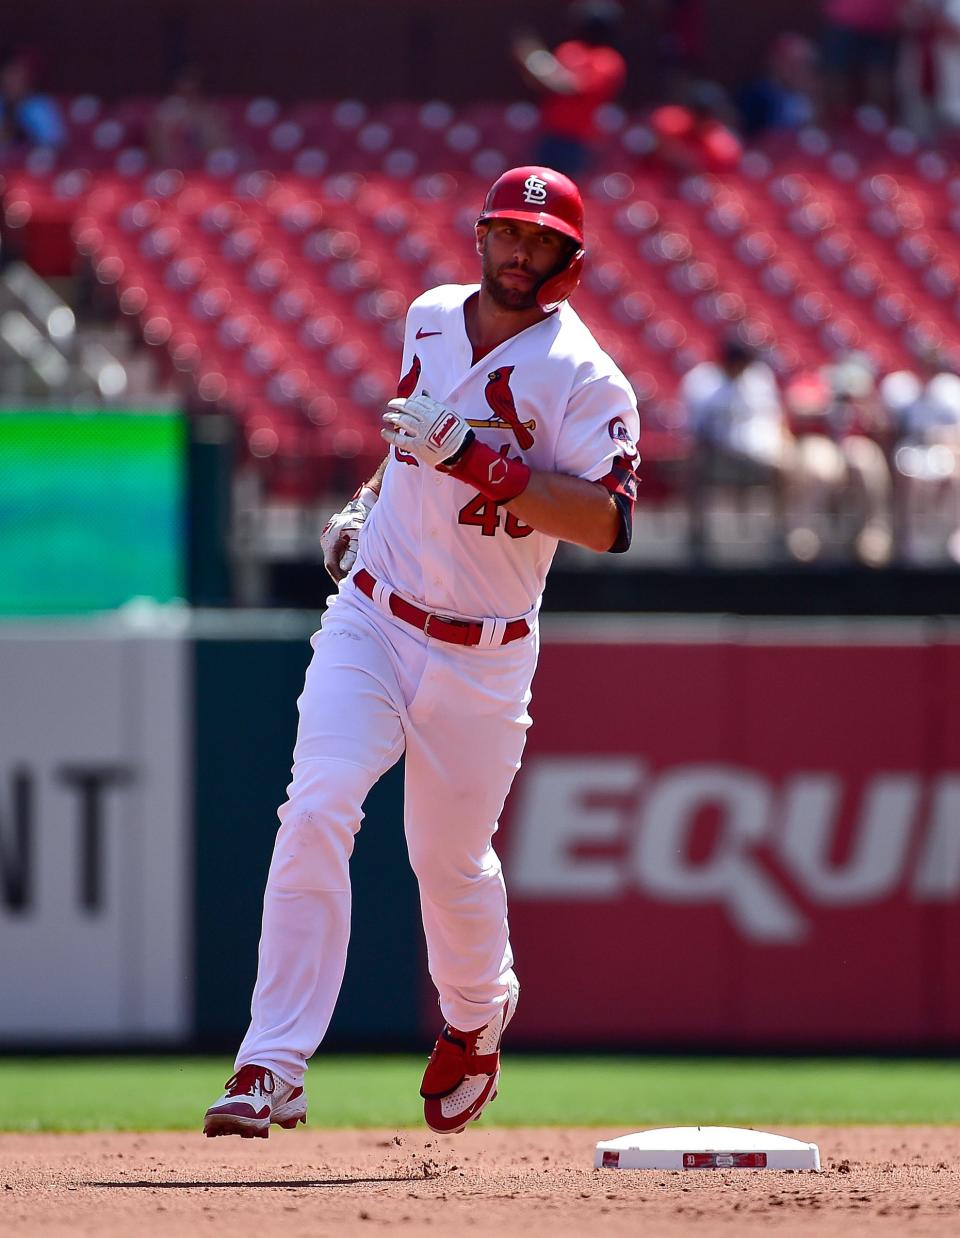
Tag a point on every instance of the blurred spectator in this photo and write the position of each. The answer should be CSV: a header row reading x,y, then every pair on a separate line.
x,y
860,45
926,413
693,136
575,80
27,119
840,431
187,126
681,40
785,97
740,433
928,76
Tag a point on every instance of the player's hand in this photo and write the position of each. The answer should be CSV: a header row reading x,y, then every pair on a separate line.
x,y
426,429
341,534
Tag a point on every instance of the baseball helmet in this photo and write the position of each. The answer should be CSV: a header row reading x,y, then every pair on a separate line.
x,y
548,198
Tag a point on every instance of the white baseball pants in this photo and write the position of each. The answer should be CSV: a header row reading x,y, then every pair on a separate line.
x,y
374,688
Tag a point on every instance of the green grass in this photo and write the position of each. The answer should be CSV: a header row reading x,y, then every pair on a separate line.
x,y
620,1093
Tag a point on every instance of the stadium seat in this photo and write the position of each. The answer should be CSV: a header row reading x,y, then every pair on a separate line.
x,y
275,280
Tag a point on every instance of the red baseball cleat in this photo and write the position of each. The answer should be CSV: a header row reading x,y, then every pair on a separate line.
x,y
254,1098
464,1070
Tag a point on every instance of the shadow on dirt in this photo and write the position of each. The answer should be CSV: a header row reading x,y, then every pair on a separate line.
x,y
153,1185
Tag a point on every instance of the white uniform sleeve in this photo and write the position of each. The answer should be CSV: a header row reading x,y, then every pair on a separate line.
x,y
601,425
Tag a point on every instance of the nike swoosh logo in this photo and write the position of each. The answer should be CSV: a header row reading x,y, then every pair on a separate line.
x,y
422,335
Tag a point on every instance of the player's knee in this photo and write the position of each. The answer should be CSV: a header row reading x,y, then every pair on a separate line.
x,y
326,788
318,823
311,852
446,868
426,867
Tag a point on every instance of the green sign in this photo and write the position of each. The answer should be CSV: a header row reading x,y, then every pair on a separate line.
x,y
91,510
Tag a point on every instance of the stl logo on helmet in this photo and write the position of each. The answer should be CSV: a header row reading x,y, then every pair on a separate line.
x,y
535,191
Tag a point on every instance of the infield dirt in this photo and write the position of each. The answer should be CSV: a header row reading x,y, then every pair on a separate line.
x,y
890,1180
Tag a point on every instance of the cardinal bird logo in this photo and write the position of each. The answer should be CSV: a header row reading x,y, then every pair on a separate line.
x,y
405,389
408,384
500,398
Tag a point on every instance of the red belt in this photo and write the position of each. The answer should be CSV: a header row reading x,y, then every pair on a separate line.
x,y
439,627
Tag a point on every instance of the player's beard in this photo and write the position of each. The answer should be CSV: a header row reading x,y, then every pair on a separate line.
x,y
504,296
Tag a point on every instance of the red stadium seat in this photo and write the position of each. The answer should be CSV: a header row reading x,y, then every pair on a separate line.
x,y
276,282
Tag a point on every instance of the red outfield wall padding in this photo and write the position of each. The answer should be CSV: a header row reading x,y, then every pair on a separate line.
x,y
747,843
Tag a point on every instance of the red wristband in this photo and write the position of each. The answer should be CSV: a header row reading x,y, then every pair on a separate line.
x,y
491,473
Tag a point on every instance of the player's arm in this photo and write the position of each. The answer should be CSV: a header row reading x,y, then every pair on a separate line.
x,y
592,514
341,534
568,508
541,67
376,481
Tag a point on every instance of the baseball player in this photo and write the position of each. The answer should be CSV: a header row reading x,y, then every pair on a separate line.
x,y
511,430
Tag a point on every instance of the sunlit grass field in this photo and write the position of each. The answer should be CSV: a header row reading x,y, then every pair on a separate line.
x,y
620,1093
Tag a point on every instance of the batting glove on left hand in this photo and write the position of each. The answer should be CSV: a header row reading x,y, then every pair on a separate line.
x,y
341,534
426,429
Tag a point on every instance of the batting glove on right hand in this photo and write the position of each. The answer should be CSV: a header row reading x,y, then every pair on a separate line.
x,y
341,534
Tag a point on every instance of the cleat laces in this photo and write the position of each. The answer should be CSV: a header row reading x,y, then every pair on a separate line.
x,y
453,1059
251,1079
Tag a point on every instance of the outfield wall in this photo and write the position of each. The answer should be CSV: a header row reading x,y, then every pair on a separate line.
x,y
725,833
749,836
96,846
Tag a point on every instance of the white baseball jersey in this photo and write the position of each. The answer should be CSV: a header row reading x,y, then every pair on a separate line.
x,y
549,396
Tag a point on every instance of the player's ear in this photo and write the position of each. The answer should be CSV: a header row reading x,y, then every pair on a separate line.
x,y
482,230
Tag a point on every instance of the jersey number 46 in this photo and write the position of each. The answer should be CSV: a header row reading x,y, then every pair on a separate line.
x,y
485,514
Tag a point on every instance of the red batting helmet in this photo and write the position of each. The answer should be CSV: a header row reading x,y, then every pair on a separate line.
x,y
550,199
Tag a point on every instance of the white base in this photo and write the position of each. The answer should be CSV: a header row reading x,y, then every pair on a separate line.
x,y
706,1147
